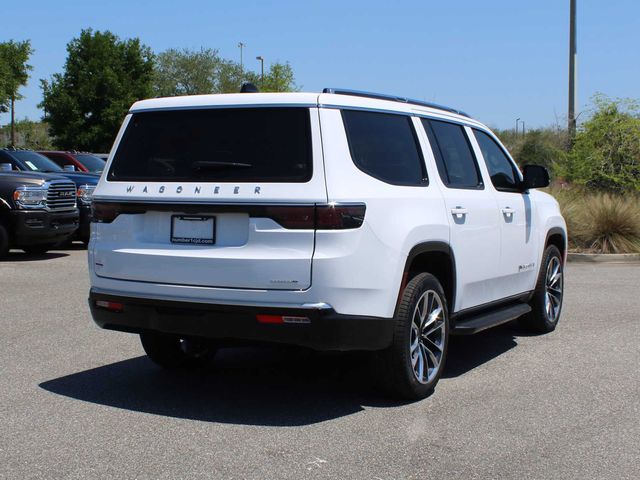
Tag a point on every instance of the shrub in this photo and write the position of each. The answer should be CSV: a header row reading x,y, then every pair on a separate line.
x,y
606,152
541,147
544,146
601,222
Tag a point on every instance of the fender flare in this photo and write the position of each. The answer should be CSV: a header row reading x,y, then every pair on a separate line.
x,y
430,247
557,231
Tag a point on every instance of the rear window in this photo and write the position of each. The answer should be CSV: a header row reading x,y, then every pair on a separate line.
x,y
226,145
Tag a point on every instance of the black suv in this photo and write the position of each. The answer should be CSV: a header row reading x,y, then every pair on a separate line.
x,y
37,211
30,161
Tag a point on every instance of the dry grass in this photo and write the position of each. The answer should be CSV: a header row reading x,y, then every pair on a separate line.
x,y
601,222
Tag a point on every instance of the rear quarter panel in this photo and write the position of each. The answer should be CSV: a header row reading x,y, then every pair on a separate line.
x,y
362,269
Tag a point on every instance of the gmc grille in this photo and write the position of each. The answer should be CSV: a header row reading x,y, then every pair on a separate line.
x,y
61,196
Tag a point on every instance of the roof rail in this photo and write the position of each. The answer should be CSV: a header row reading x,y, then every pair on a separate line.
x,y
393,98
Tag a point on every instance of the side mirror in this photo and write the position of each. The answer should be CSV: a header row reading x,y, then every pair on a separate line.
x,y
534,176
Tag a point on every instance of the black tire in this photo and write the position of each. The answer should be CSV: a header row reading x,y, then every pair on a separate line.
x,y
65,244
4,242
170,351
395,363
38,249
541,319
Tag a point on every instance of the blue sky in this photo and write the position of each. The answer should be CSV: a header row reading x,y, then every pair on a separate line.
x,y
496,59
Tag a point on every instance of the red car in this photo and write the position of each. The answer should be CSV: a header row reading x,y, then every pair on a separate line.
x,y
82,162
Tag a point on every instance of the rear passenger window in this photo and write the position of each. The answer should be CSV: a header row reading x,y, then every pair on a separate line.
x,y
456,164
385,146
502,172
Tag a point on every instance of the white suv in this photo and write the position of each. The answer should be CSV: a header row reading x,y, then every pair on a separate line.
x,y
338,221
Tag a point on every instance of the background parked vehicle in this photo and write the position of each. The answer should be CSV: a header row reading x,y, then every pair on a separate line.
x,y
37,211
81,161
30,161
103,156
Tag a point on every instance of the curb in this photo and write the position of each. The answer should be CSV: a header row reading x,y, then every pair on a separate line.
x,y
604,257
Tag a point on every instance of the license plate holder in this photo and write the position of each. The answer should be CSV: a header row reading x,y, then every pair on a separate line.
x,y
193,229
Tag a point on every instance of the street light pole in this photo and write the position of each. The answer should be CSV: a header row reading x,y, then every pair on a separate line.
x,y
517,121
573,54
241,46
261,70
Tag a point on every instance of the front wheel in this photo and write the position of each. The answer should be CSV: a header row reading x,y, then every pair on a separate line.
x,y
169,351
546,303
413,364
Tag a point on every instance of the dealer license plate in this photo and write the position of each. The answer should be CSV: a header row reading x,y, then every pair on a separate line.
x,y
193,229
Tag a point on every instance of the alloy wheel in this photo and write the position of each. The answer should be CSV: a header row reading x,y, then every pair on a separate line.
x,y
427,336
553,290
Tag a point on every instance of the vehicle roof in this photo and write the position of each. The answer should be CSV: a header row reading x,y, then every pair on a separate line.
x,y
295,99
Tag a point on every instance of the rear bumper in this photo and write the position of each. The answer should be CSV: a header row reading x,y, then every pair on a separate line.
x,y
326,329
35,227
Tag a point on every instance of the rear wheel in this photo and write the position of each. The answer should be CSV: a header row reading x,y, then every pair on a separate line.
x,y
4,242
546,304
170,351
413,364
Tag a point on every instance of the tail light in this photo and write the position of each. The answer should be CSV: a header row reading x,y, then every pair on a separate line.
x,y
106,212
320,217
296,217
339,217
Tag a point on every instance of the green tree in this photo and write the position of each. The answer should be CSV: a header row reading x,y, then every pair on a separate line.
x,y
279,78
14,73
102,77
195,72
606,151
187,72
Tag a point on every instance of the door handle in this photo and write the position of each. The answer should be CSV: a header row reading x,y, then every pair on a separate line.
x,y
459,211
508,211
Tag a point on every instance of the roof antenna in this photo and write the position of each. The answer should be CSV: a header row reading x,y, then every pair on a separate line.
x,y
248,87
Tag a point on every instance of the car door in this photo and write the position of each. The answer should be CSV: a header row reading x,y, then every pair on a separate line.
x,y
472,213
518,269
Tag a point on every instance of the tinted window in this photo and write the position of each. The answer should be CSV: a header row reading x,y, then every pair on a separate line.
x,y
456,163
35,162
226,145
385,146
90,162
501,170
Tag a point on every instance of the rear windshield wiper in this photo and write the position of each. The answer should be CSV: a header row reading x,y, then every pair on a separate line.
x,y
211,165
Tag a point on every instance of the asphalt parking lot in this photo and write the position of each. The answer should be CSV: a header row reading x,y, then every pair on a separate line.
x,y
79,402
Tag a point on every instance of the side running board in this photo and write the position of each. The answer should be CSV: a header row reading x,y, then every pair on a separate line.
x,y
481,321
